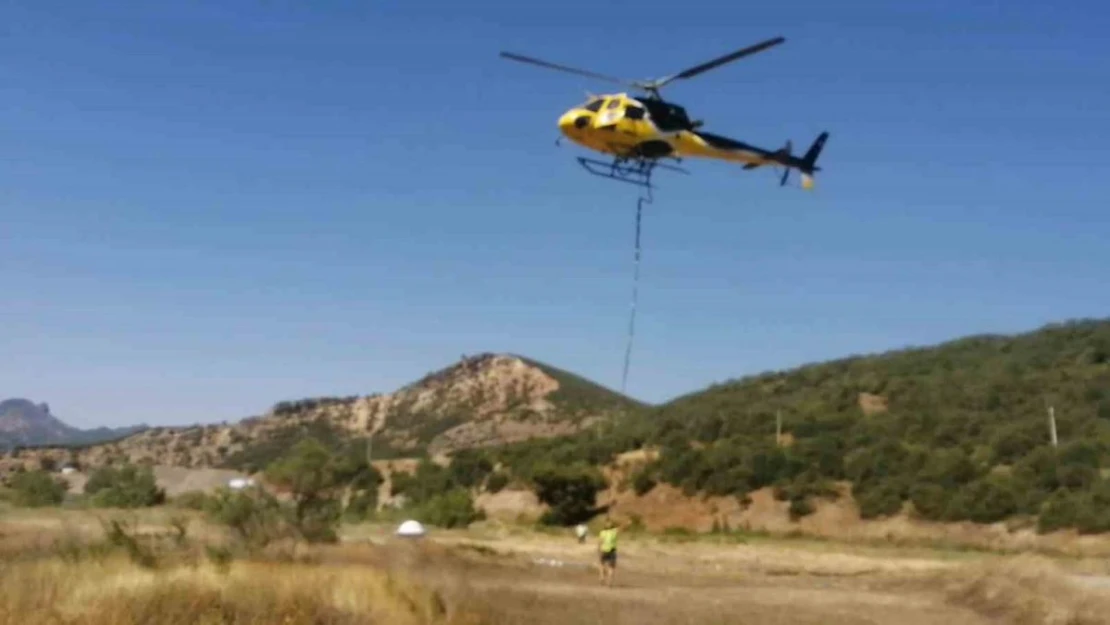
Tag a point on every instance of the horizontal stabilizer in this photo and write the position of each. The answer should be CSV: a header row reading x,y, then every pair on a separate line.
x,y
775,157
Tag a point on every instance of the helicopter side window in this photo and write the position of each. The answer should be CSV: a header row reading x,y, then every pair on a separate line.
x,y
614,103
667,117
634,112
593,106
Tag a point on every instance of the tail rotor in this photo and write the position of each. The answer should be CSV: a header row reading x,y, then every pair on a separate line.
x,y
807,164
809,161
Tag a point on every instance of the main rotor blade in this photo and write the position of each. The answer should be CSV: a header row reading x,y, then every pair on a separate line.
x,y
564,68
728,58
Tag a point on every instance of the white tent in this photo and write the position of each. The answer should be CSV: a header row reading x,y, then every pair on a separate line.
x,y
410,528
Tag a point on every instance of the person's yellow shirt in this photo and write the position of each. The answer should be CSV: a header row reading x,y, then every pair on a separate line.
x,y
608,539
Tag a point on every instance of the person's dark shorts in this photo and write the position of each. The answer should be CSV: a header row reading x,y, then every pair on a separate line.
x,y
609,557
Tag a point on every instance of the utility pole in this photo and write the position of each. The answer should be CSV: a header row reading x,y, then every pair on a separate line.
x,y
1052,424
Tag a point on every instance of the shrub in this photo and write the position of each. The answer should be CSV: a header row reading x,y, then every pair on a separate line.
x,y
497,481
35,489
426,482
1060,511
318,522
643,482
454,508
469,468
120,534
254,517
930,501
126,486
948,469
1076,476
361,505
986,500
804,486
881,500
191,500
800,507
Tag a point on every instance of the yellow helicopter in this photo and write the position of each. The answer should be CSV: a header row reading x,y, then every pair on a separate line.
x,y
637,132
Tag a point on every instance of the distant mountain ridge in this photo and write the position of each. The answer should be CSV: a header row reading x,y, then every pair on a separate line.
x,y
25,423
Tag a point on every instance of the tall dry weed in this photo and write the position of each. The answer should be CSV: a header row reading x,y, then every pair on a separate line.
x,y
116,591
1028,590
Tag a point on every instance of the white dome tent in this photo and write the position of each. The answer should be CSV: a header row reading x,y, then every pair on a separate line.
x,y
411,529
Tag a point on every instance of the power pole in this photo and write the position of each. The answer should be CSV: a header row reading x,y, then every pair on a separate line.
x,y
1052,424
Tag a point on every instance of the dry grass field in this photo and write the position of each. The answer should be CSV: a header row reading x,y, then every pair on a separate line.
x,y
70,567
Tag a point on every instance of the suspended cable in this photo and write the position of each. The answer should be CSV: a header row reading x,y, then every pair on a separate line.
x,y
635,287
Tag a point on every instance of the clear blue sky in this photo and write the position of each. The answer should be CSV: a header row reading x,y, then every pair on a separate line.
x,y
207,207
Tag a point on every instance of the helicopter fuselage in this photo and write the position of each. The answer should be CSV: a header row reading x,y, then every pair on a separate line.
x,y
626,127
647,129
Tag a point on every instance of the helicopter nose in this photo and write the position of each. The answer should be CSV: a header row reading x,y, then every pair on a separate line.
x,y
573,120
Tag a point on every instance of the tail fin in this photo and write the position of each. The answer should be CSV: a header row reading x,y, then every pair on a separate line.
x,y
808,163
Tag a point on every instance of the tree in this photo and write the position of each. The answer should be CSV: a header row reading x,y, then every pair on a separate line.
x,y
571,492
311,475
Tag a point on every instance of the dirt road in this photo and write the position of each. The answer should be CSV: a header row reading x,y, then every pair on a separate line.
x,y
547,580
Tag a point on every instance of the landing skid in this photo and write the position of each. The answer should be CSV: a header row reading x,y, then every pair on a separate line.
x,y
636,171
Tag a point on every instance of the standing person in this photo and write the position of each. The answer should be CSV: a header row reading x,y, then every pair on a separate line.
x,y
580,531
607,550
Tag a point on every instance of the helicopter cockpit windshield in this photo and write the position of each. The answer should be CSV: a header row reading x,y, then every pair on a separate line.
x,y
594,105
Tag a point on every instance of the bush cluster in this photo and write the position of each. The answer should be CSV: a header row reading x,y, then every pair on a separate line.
x,y
124,486
34,489
441,496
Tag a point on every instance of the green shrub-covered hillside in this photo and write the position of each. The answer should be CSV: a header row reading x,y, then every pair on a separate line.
x,y
954,432
959,430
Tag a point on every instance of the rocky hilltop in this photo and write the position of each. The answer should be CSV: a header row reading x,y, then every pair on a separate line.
x,y
24,422
484,400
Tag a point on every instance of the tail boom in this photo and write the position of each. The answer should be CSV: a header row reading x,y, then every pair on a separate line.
x,y
715,146
807,164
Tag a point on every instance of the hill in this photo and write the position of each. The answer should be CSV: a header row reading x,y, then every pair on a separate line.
x,y
25,423
489,399
954,432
